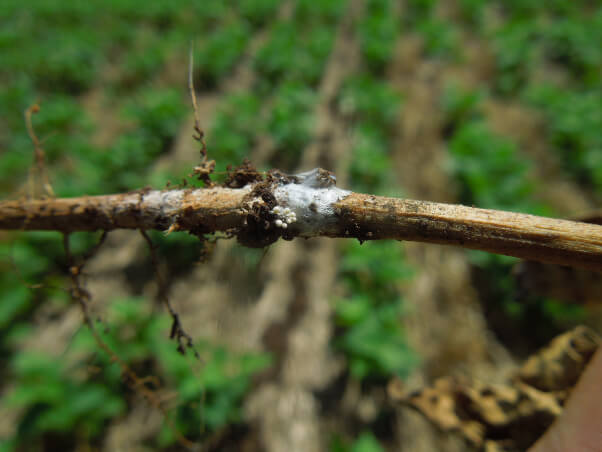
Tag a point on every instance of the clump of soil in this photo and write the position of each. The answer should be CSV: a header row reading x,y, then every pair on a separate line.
x,y
242,175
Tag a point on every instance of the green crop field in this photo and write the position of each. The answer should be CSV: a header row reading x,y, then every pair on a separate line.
x,y
496,104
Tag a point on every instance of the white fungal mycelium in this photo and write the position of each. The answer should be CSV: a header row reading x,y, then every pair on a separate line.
x,y
308,204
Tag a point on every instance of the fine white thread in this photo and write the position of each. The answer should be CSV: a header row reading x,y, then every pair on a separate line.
x,y
311,202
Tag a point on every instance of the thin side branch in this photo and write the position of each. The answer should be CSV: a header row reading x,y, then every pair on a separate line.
x,y
136,383
200,135
252,214
39,155
177,330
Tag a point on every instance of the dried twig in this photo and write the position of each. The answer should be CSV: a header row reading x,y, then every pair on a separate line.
x,y
322,211
204,170
200,135
177,331
136,383
39,156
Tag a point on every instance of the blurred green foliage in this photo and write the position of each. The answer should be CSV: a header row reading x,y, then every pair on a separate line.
x,y
290,122
574,124
293,53
459,105
210,399
375,107
32,259
235,128
220,52
55,401
57,53
440,38
366,442
493,173
370,101
514,54
258,12
68,397
545,54
324,13
377,31
472,11
371,165
574,42
373,338
418,10
562,35
155,118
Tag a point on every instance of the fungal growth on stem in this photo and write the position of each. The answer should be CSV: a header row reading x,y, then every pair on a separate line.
x,y
309,201
288,206
259,209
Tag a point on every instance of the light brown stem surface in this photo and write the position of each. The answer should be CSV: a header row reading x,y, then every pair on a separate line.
x,y
212,210
365,217
529,237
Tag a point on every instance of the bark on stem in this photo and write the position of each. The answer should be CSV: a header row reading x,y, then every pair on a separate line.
x,y
215,209
248,212
529,237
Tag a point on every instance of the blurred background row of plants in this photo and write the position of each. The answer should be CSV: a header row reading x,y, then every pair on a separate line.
x,y
129,58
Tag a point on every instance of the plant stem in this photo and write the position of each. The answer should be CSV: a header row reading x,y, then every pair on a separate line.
x,y
248,210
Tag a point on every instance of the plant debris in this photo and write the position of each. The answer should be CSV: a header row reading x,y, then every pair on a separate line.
x,y
512,416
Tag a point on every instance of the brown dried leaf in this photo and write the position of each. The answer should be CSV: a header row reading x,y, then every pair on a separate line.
x,y
512,416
